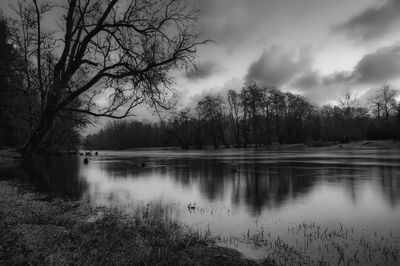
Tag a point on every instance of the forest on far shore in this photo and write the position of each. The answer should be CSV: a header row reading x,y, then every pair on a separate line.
x,y
258,116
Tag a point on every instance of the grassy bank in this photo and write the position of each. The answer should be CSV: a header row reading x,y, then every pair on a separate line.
x,y
37,230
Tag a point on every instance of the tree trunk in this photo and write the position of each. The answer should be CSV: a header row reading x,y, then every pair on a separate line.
x,y
32,146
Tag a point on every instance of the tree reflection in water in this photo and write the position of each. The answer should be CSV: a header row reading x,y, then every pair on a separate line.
x,y
263,180
265,184
58,176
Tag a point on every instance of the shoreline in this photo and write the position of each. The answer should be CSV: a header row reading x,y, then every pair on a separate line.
x,y
10,156
365,144
36,230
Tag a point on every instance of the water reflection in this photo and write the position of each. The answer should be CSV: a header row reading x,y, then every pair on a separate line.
x,y
275,191
261,182
60,176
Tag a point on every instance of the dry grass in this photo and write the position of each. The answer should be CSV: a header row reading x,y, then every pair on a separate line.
x,y
37,231
313,244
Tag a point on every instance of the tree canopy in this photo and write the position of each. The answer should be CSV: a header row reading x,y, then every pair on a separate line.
x,y
118,50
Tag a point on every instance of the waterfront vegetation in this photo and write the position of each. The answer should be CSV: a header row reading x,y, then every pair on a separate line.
x,y
39,229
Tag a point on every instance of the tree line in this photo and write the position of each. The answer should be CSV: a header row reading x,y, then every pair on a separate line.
x,y
258,116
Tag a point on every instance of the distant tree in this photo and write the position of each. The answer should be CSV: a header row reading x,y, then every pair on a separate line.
x,y
297,113
348,105
277,100
251,97
212,112
234,109
384,101
388,96
398,110
324,128
182,123
384,106
122,48
256,115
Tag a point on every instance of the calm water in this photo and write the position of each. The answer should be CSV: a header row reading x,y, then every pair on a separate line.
x,y
270,190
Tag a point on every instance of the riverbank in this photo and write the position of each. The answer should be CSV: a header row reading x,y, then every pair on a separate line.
x,y
353,145
11,156
37,230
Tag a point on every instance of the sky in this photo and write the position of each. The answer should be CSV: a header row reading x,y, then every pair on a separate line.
x,y
317,48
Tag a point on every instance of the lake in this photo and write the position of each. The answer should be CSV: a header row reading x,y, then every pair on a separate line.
x,y
245,196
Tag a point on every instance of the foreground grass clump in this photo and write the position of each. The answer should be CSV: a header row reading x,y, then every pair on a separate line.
x,y
311,244
37,231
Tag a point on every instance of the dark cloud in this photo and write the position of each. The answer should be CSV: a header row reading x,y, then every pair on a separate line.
x,y
230,22
378,67
372,70
374,22
294,71
340,77
320,88
276,66
233,84
237,24
309,80
203,70
323,94
383,65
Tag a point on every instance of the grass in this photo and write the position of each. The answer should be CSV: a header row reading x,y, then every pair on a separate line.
x,y
313,244
36,230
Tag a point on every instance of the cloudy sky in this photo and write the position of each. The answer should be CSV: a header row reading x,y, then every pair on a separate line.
x,y
318,48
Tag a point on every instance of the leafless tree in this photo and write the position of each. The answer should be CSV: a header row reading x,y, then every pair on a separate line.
x,y
348,103
121,50
234,107
212,112
252,97
384,101
182,125
348,106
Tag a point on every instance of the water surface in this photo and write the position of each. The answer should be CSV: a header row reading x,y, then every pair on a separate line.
x,y
235,192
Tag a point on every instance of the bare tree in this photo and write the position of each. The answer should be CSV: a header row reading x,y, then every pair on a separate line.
x,y
348,105
212,111
234,106
122,49
182,126
278,104
384,101
297,113
388,96
251,96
